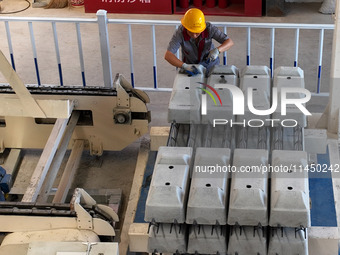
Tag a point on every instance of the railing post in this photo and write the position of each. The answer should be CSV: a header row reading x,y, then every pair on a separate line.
x,y
56,44
272,51
131,56
154,57
248,46
177,53
297,38
81,55
9,40
225,57
320,60
105,47
34,50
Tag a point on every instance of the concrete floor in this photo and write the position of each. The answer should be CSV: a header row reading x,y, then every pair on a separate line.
x,y
115,169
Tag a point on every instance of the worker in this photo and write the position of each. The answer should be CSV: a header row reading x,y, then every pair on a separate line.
x,y
194,37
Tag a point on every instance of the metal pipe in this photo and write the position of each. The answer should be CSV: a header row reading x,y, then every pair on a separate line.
x,y
131,56
297,37
222,24
9,40
271,63
320,60
225,55
49,20
34,50
177,53
105,48
229,24
81,56
170,22
56,44
248,46
154,56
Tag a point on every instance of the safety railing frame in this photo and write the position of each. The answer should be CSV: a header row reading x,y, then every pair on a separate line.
x,y
103,23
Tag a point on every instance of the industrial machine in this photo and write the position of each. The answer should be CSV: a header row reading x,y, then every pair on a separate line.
x,y
55,119
109,118
233,177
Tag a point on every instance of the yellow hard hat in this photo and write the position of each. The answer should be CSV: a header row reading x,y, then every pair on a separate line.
x,y
194,21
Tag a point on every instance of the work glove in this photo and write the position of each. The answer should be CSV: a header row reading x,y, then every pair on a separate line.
x,y
213,54
189,69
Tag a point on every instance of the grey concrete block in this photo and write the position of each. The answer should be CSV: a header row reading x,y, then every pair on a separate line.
x,y
209,187
258,78
166,201
289,190
224,75
167,238
206,239
247,241
288,241
249,188
289,77
315,140
185,101
219,78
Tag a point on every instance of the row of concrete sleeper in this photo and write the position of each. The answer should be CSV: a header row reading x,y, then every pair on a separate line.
x,y
199,198
229,88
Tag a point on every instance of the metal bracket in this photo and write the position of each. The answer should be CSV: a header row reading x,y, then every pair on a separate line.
x,y
122,112
84,219
96,146
123,98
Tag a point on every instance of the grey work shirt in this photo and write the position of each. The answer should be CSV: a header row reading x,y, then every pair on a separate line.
x,y
192,52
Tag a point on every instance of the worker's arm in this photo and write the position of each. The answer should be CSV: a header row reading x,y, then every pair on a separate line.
x,y
226,45
172,59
